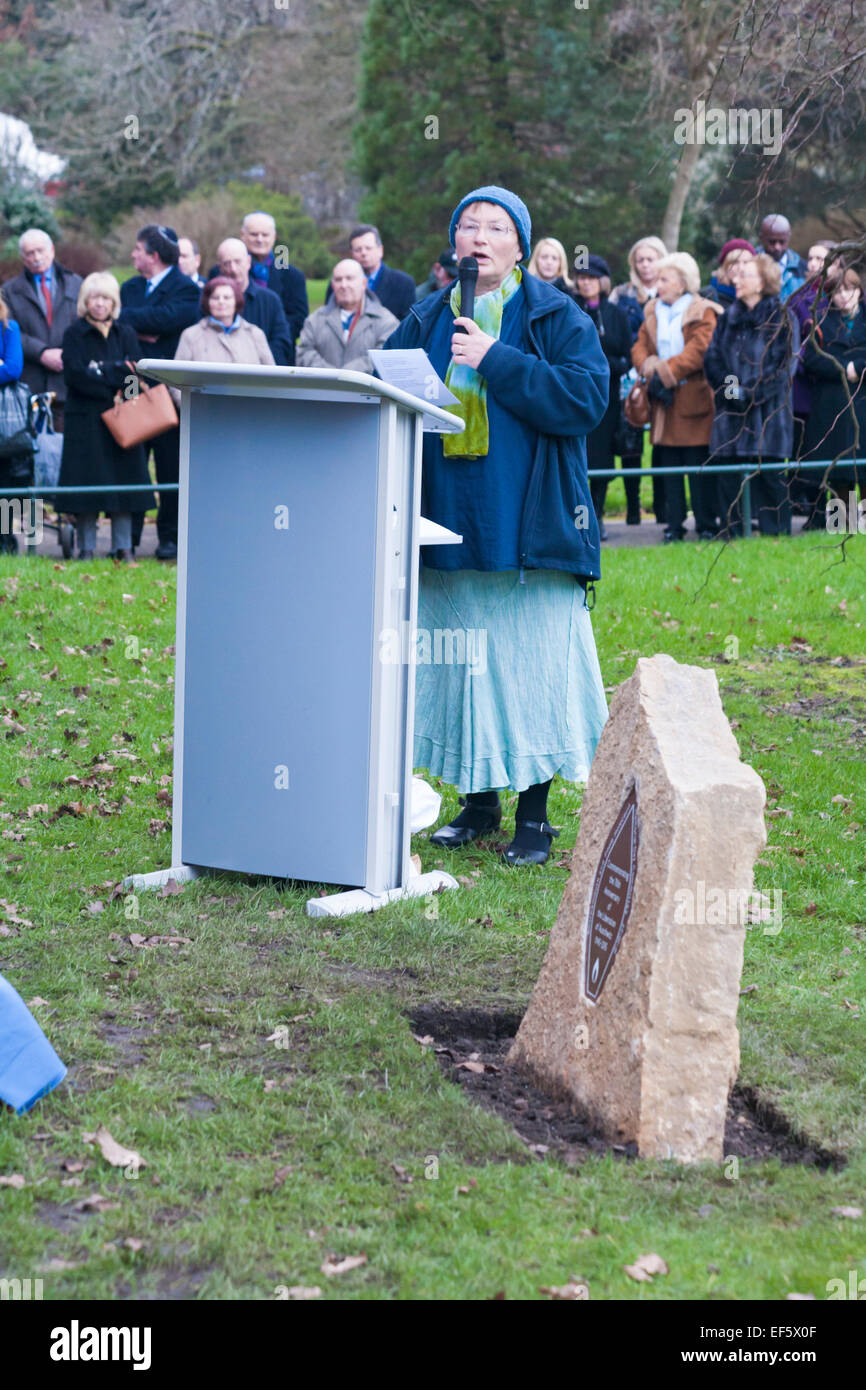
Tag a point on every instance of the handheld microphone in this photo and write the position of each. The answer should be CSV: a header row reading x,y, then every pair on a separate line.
x,y
467,272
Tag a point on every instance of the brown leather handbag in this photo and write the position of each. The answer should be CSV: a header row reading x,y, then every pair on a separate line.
x,y
636,407
140,418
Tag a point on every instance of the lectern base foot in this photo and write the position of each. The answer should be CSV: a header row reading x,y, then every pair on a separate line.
x,y
181,873
359,900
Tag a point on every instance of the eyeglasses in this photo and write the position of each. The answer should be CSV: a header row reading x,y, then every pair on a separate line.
x,y
497,230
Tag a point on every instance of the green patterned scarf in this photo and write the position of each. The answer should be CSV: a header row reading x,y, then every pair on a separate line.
x,y
467,384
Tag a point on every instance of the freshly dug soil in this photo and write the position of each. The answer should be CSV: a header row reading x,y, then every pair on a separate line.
x,y
754,1128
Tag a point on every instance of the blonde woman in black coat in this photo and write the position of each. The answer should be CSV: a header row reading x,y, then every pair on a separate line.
x,y
96,353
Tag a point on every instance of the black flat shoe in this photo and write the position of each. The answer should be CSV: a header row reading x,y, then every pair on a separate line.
x,y
85,554
533,848
471,823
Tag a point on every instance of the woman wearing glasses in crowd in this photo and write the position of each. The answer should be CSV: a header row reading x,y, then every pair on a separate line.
x,y
531,382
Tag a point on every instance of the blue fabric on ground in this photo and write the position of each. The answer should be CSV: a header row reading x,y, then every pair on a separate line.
x,y
527,702
29,1066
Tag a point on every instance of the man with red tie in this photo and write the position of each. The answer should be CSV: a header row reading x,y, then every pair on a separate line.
x,y
43,300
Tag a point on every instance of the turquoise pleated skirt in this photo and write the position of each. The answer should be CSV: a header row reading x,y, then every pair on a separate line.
x,y
508,690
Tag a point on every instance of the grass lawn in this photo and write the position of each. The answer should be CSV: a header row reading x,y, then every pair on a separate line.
x,y
263,1064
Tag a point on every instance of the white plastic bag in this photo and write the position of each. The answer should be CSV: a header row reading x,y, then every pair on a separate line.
x,y
425,805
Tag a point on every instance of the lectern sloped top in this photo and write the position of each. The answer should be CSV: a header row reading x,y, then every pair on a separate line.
x,y
241,376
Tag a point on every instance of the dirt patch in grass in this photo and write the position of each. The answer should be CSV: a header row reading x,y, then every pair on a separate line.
x,y
199,1105
819,707
355,976
125,1040
62,1217
168,1283
754,1128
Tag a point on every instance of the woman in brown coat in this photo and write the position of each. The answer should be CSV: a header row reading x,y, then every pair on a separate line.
x,y
669,354
222,335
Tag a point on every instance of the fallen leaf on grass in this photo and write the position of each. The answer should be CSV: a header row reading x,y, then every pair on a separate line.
x,y
467,1187
13,1180
840,800
141,943
169,889
133,1243
476,1066
571,1291
112,1152
282,1173
341,1264
427,1040
403,1174
36,1003
276,914
9,912
95,1202
852,1213
644,1267
297,1292
58,1266
95,906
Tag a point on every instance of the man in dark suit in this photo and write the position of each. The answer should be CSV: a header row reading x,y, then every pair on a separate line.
x,y
43,300
393,288
159,303
258,234
261,306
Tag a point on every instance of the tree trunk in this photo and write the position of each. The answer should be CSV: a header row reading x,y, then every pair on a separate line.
x,y
679,193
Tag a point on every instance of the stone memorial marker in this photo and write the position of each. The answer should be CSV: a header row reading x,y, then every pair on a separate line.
x,y
634,1013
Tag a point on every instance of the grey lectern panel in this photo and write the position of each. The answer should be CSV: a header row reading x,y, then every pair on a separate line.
x,y
258,593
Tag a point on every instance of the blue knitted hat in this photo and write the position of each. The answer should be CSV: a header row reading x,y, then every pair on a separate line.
x,y
514,206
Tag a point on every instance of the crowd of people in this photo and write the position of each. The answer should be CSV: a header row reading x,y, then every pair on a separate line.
x,y
763,364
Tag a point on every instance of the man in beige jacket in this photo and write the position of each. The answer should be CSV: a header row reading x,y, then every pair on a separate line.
x,y
342,332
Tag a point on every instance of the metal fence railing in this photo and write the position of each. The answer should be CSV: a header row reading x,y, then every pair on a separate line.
x,y
744,467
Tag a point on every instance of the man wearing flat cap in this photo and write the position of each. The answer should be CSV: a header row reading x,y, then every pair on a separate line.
x,y
442,275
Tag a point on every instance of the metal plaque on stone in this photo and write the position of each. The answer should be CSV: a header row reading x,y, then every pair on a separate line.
x,y
611,898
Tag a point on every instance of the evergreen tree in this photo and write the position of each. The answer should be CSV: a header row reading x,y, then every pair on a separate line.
x,y
519,94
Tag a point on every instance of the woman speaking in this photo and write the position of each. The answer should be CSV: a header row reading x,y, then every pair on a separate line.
x,y
531,382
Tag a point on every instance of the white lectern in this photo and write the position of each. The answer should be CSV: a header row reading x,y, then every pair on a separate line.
x,y
297,580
